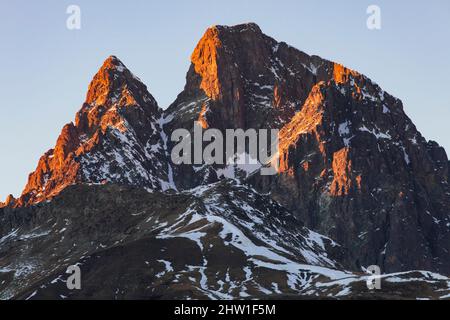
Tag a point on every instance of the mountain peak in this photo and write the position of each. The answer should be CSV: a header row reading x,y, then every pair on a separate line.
x,y
243,27
112,75
10,201
237,65
112,62
224,49
113,66
114,132
341,135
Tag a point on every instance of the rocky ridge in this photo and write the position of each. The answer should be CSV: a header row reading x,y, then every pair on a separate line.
x,y
357,185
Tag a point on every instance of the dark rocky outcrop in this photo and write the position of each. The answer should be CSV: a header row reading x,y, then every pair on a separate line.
x,y
222,241
352,164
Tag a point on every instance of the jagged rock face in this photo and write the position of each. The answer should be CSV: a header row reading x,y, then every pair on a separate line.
x,y
10,201
116,138
354,167
241,78
352,164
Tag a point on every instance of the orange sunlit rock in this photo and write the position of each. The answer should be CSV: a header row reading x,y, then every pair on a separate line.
x,y
112,119
342,74
202,118
303,122
204,59
10,201
358,181
127,98
342,173
112,93
101,84
277,100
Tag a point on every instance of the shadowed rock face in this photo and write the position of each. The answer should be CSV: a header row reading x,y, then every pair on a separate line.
x,y
353,168
221,241
352,164
359,172
228,230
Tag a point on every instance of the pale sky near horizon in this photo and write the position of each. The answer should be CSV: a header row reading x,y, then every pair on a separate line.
x,y
46,68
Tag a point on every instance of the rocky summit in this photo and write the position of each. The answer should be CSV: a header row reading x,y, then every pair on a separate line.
x,y
357,185
116,138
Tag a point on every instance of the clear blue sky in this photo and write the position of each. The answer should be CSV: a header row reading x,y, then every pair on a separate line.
x,y
46,68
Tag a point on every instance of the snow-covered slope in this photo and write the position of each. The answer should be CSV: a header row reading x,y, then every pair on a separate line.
x,y
221,241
